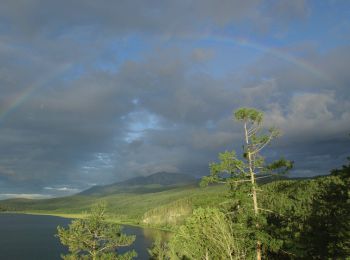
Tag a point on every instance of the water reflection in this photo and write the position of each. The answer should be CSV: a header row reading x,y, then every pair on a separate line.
x,y
144,239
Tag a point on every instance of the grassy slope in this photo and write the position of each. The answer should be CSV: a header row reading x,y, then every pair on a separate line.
x,y
134,205
125,205
122,207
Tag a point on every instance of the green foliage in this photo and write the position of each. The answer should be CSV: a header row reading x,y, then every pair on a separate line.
x,y
232,169
124,207
309,219
159,250
241,175
249,115
94,238
327,232
299,219
170,214
280,166
207,234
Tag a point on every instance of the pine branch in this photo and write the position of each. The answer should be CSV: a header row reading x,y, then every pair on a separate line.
x,y
262,177
267,210
259,148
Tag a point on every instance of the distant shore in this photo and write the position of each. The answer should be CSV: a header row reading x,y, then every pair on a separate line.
x,y
81,216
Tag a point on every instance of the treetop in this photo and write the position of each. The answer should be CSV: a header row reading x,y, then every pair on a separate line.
x,y
249,114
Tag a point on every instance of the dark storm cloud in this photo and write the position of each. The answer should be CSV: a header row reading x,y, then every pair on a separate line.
x,y
95,116
312,112
51,17
76,123
314,120
28,19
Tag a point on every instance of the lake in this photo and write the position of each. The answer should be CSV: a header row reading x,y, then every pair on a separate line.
x,y
31,237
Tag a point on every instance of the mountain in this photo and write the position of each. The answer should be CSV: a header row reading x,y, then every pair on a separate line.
x,y
144,184
165,199
161,178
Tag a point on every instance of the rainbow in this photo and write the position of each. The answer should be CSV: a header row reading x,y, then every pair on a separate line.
x,y
12,104
278,53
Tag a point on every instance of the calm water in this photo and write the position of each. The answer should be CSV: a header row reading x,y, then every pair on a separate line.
x,y
30,237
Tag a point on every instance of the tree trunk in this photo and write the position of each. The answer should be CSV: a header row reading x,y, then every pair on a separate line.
x,y
206,255
252,180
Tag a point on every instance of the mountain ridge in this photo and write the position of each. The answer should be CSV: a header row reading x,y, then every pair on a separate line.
x,y
155,182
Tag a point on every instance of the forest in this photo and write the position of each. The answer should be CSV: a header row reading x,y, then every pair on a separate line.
x,y
300,219
303,219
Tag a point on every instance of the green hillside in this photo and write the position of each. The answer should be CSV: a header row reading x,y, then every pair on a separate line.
x,y
166,206
299,219
130,201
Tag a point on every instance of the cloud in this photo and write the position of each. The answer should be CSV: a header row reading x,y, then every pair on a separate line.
x,y
32,17
310,116
201,54
24,196
88,20
91,128
59,191
288,10
64,189
121,89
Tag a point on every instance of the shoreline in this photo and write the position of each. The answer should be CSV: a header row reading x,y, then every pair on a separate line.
x,y
82,216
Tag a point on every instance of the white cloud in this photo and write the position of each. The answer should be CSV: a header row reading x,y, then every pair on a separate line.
x,y
24,196
310,116
62,189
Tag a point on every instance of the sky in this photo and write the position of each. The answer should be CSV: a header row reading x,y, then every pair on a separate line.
x,y
95,92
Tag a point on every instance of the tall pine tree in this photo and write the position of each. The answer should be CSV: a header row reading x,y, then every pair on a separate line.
x,y
242,173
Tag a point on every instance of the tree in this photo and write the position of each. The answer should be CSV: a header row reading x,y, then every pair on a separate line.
x,y
207,234
328,226
313,220
94,238
243,172
159,249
